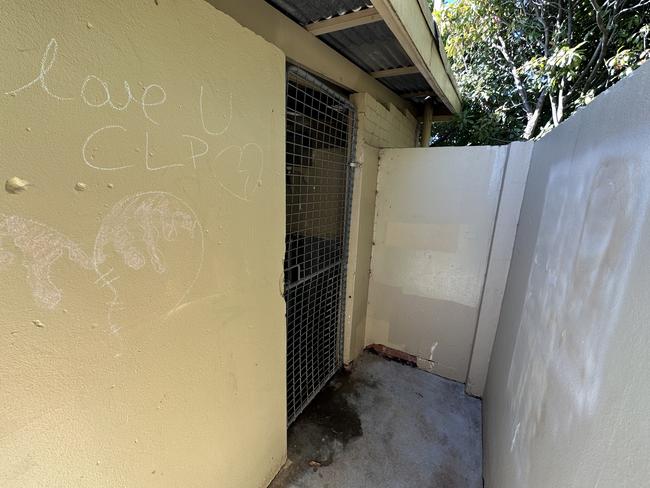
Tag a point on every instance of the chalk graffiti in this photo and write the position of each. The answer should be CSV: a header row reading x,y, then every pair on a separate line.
x,y
137,224
144,104
40,247
228,117
138,234
196,156
245,171
136,231
89,160
241,179
106,94
47,62
147,155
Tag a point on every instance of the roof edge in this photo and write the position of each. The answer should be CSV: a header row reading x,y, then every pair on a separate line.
x,y
417,32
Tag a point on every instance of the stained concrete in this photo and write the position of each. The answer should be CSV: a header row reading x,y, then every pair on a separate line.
x,y
386,424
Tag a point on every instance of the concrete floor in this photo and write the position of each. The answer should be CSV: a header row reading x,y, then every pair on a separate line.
x,y
386,425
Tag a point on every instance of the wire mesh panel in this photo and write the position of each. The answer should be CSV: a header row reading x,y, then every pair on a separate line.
x,y
320,145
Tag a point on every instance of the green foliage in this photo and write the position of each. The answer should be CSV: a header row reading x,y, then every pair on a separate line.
x,y
523,66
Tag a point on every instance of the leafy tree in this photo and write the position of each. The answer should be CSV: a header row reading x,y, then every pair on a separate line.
x,y
523,66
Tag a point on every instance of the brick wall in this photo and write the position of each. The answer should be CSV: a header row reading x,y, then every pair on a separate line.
x,y
383,127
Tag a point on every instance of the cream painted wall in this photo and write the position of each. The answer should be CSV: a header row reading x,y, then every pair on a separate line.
x,y
362,223
152,134
434,218
568,391
377,126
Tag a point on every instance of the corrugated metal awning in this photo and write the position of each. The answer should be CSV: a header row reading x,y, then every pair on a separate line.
x,y
307,11
354,29
372,47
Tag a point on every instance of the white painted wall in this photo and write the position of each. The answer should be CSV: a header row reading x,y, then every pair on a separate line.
x,y
568,390
503,239
434,220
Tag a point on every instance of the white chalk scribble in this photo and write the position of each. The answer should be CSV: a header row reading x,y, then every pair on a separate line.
x,y
47,61
226,126
136,226
138,234
196,156
136,231
144,103
40,247
107,99
88,160
147,155
249,172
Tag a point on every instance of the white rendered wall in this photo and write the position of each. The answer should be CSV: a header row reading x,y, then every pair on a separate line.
x,y
567,396
505,228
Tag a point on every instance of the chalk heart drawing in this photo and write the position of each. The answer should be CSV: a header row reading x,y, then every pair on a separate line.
x,y
244,171
148,254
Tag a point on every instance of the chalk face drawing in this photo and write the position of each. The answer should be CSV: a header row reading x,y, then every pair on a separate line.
x,y
40,247
134,244
150,242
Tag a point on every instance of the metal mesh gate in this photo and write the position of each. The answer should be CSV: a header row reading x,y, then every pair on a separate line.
x,y
320,145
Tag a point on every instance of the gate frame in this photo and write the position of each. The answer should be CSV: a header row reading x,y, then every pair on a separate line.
x,y
309,79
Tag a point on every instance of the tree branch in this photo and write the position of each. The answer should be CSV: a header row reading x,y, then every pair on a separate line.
x,y
501,47
533,120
